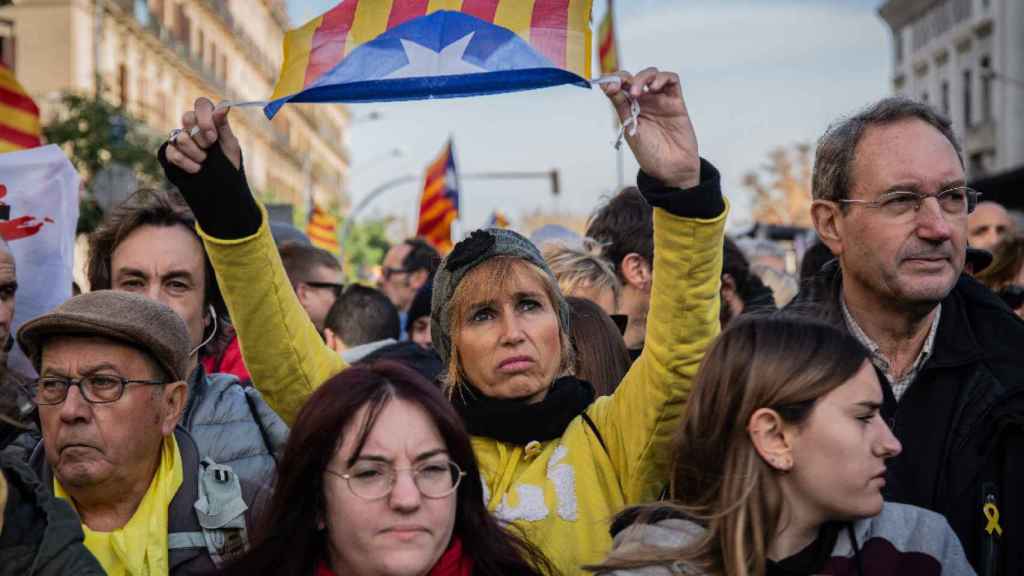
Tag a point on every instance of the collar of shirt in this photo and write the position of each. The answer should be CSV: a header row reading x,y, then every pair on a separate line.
x,y
898,385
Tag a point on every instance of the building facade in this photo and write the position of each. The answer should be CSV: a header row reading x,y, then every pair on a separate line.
x,y
966,58
155,57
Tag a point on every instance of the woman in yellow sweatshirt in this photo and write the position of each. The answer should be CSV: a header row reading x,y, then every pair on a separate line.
x,y
554,460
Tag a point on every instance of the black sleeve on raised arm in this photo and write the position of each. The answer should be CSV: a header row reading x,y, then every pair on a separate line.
x,y
702,201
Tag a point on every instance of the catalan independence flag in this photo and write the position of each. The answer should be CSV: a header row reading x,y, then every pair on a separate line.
x,y
322,229
607,46
19,116
439,203
385,50
498,220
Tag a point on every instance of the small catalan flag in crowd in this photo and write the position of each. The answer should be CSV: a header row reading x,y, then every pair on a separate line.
x,y
322,229
498,220
607,47
19,116
384,50
439,203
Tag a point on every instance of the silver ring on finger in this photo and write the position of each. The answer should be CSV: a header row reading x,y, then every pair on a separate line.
x,y
173,137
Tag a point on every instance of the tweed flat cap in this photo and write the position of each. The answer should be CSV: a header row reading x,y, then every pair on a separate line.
x,y
122,316
480,246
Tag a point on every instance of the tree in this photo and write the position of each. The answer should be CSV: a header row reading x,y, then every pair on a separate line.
x,y
365,247
785,199
96,135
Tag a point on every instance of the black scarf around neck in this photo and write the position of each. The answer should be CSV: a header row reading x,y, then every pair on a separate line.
x,y
516,421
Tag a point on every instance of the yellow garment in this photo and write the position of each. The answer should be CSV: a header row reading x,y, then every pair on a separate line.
x,y
139,547
563,492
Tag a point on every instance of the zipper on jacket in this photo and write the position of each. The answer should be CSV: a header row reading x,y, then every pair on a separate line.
x,y
993,530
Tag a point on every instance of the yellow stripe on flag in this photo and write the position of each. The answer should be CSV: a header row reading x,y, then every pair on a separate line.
x,y
517,16
6,146
579,24
434,211
19,120
435,5
371,20
8,81
297,46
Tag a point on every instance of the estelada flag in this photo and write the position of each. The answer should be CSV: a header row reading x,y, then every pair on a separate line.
x,y
19,116
439,203
385,50
322,229
607,46
498,220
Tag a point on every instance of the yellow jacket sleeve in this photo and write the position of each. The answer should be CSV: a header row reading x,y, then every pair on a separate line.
x,y
282,350
639,420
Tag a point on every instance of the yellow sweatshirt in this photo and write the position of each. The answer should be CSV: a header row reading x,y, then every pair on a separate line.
x,y
562,492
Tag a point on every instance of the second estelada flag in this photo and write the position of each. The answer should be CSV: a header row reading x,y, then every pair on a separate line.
x,y
384,50
439,203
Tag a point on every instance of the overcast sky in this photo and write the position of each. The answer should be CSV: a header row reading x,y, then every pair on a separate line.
x,y
756,74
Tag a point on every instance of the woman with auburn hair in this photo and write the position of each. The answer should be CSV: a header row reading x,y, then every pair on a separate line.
x,y
555,460
779,468
379,478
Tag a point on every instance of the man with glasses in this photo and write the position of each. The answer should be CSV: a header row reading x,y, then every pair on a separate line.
x,y
316,277
111,392
890,201
406,268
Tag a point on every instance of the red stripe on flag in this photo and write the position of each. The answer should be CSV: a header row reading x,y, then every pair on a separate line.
x,y
18,100
329,40
429,203
433,222
482,9
404,10
548,29
19,138
607,44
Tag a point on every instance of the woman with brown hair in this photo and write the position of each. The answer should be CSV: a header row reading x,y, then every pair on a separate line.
x,y
779,467
379,478
600,355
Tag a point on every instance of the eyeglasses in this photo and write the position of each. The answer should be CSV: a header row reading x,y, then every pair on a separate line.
x,y
95,388
332,286
387,272
375,480
959,201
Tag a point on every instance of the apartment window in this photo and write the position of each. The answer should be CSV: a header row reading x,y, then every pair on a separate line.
x,y
223,67
200,45
7,44
182,24
968,92
897,40
122,85
156,7
213,56
944,94
986,88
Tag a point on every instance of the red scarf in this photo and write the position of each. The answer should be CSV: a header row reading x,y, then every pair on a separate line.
x,y
452,563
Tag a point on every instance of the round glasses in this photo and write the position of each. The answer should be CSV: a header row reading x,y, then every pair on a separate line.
x,y
375,480
95,388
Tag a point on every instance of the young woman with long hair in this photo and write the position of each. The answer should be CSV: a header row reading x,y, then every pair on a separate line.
x,y
779,468
379,478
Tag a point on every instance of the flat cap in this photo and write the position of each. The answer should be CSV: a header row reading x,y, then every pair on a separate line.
x,y
122,316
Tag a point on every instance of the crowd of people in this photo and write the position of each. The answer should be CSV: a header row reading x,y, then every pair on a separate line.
x,y
634,402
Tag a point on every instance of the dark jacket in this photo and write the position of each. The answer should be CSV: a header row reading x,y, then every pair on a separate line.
x,y
961,422
41,534
900,541
188,554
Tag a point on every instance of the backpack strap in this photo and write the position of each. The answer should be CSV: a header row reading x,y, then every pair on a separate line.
x,y
220,511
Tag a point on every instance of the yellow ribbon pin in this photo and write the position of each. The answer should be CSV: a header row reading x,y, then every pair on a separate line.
x,y
992,515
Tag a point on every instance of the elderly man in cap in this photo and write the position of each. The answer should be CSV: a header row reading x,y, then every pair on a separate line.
x,y
111,390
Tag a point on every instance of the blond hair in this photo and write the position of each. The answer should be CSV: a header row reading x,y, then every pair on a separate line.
x,y
582,266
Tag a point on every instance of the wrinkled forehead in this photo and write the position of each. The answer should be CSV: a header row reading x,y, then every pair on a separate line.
x,y
83,353
910,154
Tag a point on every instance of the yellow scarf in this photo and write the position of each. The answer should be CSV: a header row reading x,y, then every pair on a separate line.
x,y
139,548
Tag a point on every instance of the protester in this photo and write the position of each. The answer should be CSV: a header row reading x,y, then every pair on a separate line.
x,y
360,321
149,246
418,317
15,405
424,361
316,277
599,353
779,467
1005,276
553,461
582,271
625,228
890,203
39,534
8,289
989,225
111,392
742,290
379,477
814,259
407,267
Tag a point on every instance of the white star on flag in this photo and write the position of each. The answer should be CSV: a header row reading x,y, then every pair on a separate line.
x,y
425,62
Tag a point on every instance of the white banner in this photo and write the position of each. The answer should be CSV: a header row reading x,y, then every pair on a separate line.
x,y
40,187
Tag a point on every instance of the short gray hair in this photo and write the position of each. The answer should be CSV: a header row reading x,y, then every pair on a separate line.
x,y
833,160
